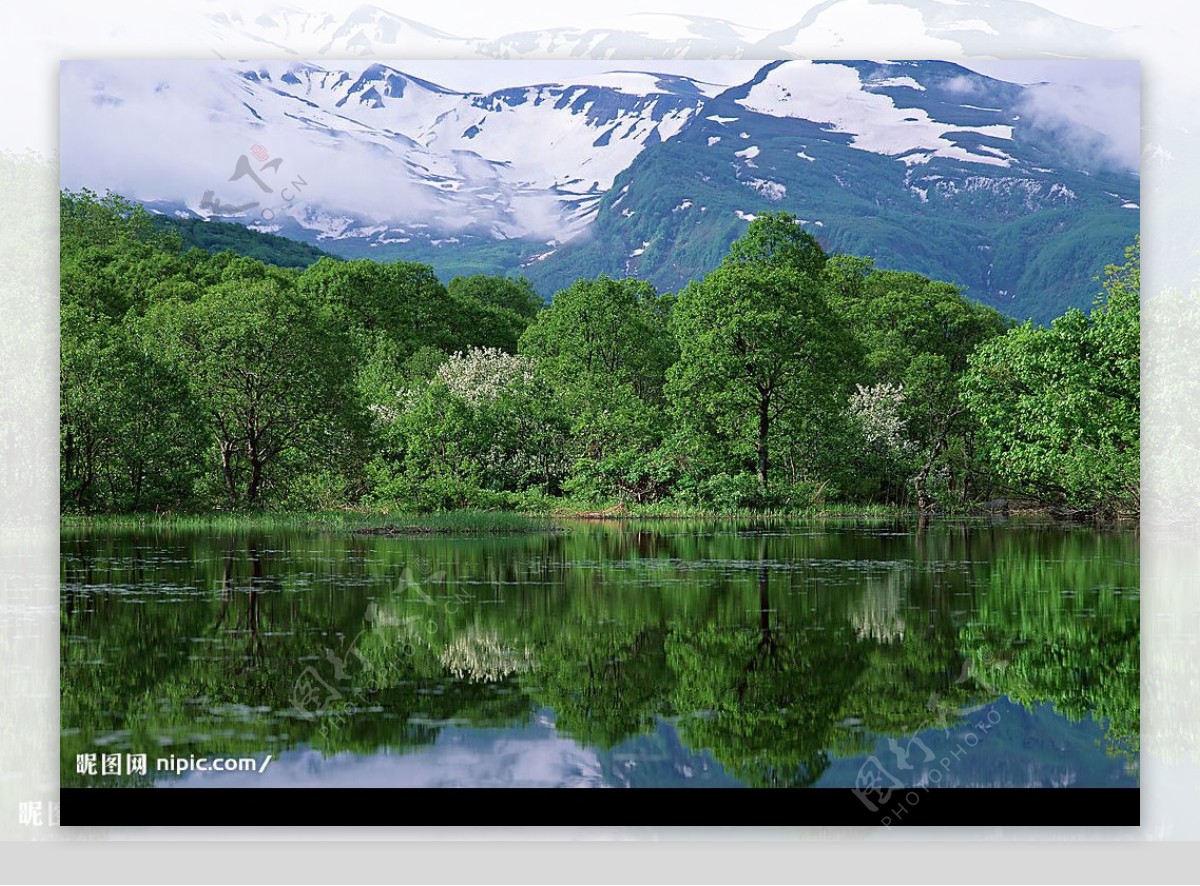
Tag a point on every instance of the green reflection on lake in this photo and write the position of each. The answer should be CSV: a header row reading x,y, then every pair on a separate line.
x,y
649,653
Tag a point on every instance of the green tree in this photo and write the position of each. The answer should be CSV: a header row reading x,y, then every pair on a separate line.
x,y
604,347
129,436
758,342
482,324
1059,407
776,239
273,377
483,423
605,329
89,220
513,294
403,301
917,334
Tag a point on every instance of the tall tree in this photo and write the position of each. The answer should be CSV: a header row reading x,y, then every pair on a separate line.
x,y
917,335
605,330
604,346
514,294
403,301
129,435
778,240
757,341
273,377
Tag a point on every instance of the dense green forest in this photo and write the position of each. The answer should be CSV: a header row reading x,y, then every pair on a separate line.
x,y
784,379
215,236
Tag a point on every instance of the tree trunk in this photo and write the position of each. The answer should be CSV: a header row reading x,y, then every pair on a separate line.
x,y
252,490
922,475
255,457
89,474
227,470
136,476
919,487
68,456
764,427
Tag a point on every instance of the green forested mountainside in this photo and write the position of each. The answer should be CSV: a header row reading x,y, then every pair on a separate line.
x,y
1027,233
1033,266
785,378
213,236
1009,240
1030,248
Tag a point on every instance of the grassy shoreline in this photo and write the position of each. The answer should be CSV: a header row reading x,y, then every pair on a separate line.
x,y
394,521
365,521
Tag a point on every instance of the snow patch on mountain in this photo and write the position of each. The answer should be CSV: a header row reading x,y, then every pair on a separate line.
x,y
836,95
998,153
643,83
1032,193
773,191
890,82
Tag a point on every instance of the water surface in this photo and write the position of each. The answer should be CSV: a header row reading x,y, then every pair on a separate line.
x,y
637,654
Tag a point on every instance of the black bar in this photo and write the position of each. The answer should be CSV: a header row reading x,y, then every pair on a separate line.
x,y
292,807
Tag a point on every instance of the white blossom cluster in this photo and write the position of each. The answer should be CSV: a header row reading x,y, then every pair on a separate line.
x,y
483,374
877,410
384,414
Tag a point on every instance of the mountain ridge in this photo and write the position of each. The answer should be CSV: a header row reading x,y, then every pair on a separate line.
x,y
925,166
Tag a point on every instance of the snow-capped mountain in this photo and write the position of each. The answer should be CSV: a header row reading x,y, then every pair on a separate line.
x,y
926,166
381,152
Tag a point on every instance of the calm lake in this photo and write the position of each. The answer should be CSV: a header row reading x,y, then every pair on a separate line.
x,y
638,654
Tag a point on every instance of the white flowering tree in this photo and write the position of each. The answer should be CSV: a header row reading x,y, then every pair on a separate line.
x,y
879,414
878,410
482,424
481,375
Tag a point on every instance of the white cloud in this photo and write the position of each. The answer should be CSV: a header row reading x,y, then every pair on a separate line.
x,y
1092,106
